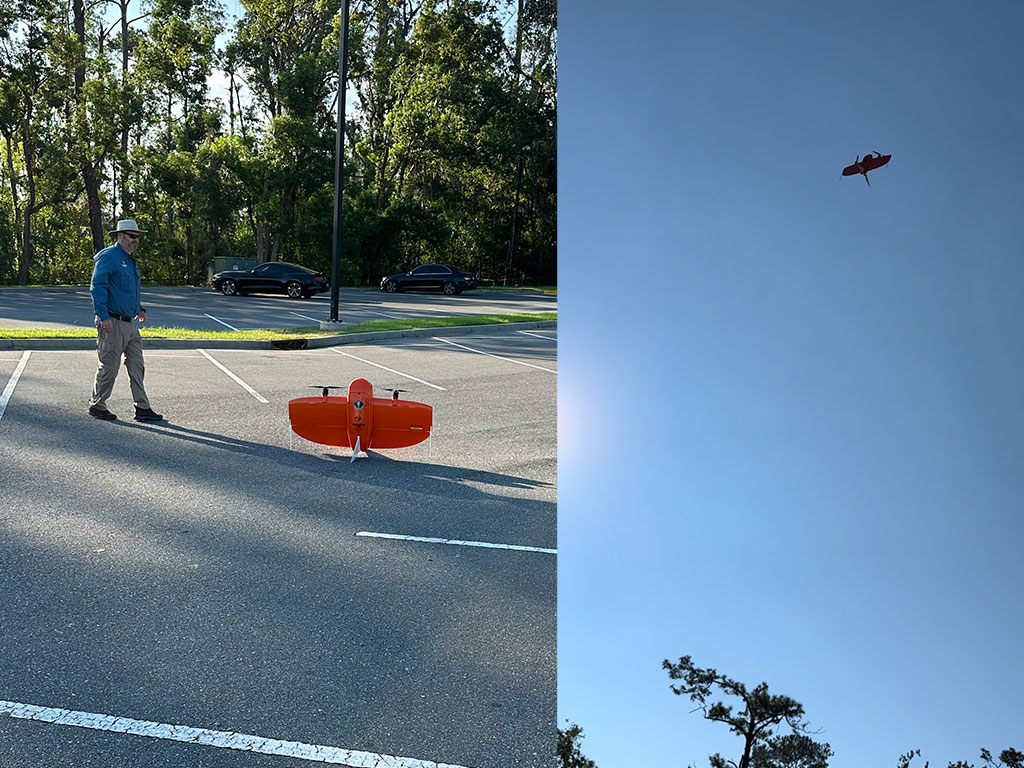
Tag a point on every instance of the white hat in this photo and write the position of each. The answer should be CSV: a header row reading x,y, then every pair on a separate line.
x,y
126,225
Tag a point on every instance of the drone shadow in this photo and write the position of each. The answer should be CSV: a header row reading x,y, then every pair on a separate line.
x,y
377,469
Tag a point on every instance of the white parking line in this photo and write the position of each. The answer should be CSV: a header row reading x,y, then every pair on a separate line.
x,y
306,317
205,736
496,357
385,314
221,322
531,333
9,389
486,544
390,370
245,386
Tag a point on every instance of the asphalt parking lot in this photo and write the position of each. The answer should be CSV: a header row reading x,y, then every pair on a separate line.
x,y
201,308
201,580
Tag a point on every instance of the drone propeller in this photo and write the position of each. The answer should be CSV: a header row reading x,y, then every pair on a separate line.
x,y
394,392
323,388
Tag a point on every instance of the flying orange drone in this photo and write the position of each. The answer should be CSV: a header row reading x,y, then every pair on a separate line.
x,y
360,420
869,163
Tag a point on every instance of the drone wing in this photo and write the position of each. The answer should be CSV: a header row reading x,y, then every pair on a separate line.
x,y
878,162
320,419
399,423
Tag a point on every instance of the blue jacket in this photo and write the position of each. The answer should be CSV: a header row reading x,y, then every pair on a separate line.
x,y
115,283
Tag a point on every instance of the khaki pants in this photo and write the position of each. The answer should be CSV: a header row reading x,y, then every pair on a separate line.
x,y
125,340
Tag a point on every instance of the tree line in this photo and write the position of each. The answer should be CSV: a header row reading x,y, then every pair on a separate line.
x,y
452,135
772,727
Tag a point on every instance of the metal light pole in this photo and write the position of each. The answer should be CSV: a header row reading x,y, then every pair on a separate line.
x,y
339,167
515,211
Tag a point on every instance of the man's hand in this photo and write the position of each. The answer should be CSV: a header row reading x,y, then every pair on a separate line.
x,y
106,325
142,315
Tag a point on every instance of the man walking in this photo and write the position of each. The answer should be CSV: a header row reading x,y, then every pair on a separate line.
x,y
116,289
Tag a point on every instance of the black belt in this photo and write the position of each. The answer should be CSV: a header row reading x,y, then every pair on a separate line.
x,y
121,317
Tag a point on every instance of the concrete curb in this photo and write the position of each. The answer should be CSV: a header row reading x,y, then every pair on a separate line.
x,y
305,343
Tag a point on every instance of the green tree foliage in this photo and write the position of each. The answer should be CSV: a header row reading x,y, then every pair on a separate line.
x,y
1008,758
569,753
37,58
222,141
794,750
175,59
447,116
759,715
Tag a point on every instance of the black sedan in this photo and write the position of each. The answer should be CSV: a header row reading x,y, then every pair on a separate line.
x,y
272,277
430,277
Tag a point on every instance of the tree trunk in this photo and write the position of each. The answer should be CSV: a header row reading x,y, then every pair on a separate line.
x,y
186,141
25,262
241,112
231,102
92,193
28,148
8,140
519,41
188,251
125,191
170,136
261,242
257,229
92,186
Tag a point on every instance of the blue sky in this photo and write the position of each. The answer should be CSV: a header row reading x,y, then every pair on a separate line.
x,y
791,406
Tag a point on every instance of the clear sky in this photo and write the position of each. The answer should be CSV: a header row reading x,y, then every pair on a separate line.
x,y
791,406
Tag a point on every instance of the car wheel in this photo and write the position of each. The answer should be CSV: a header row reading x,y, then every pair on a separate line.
x,y
450,289
229,287
391,286
294,290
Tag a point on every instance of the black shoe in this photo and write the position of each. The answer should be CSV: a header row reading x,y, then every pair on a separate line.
x,y
101,413
147,414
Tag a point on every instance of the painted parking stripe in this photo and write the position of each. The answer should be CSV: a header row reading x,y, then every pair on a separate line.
x,y
13,382
385,314
306,317
244,386
221,322
485,544
224,739
390,370
496,357
537,335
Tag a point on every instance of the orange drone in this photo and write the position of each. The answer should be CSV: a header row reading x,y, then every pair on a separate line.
x,y
869,163
360,420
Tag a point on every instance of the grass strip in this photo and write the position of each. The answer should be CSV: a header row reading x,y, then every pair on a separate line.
x,y
300,332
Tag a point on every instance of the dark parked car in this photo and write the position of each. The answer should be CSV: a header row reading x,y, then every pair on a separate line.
x,y
430,277
272,277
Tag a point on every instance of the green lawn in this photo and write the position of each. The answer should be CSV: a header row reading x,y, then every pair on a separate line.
x,y
304,331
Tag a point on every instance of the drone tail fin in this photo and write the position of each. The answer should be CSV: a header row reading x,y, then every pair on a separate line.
x,y
355,450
